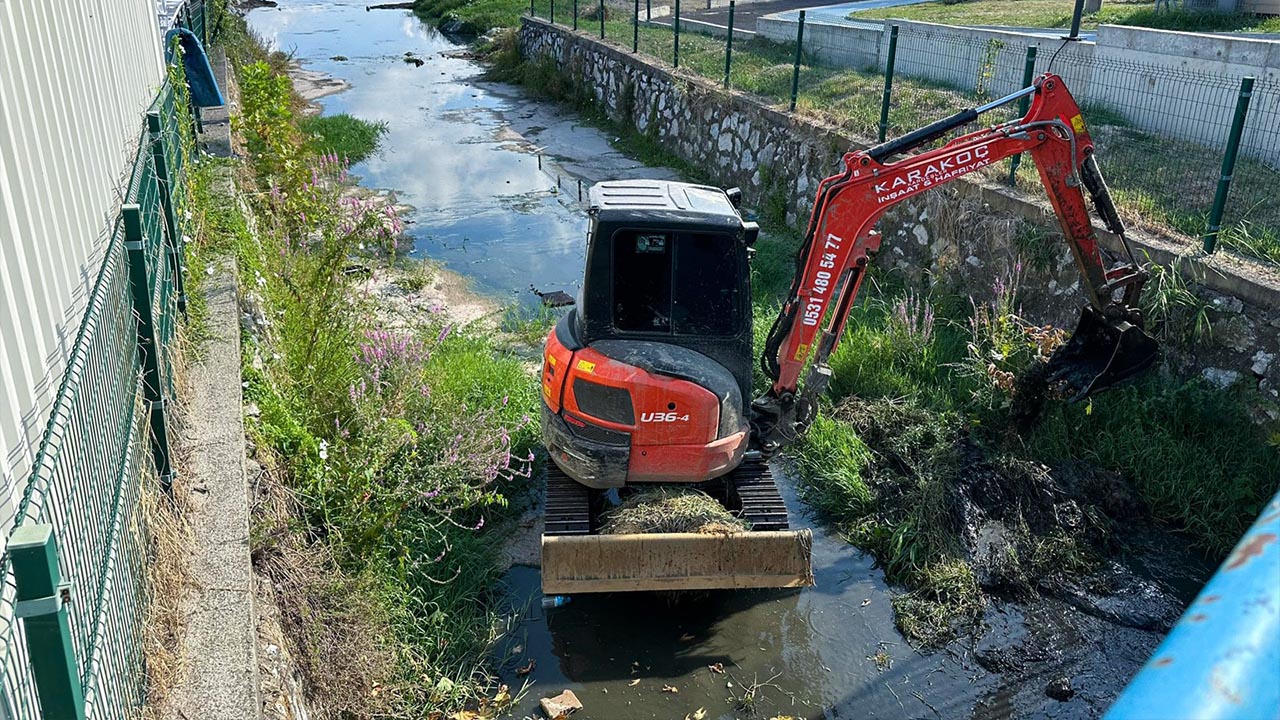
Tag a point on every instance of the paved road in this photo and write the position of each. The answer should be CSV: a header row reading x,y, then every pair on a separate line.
x,y
744,17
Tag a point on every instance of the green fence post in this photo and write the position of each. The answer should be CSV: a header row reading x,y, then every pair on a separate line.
x,y
41,596
728,47
635,29
552,12
149,346
795,70
648,10
575,15
531,12
1228,163
174,246
601,19
675,51
888,82
1028,74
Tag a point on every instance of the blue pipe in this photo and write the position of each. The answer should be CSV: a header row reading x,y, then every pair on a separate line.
x,y
1222,660
200,78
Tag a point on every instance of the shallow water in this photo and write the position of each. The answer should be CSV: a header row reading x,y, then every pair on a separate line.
x,y
481,204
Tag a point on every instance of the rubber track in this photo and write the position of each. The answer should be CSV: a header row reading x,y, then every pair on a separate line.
x,y
568,510
756,489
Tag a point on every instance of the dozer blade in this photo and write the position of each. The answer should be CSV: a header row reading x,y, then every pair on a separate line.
x,y
1100,354
676,561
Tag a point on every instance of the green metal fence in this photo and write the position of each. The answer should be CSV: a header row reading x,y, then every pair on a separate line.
x,y
1184,152
75,589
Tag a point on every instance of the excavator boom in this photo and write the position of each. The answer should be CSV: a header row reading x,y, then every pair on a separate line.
x,y
1108,345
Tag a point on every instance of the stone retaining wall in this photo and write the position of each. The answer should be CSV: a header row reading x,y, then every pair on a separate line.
x,y
966,235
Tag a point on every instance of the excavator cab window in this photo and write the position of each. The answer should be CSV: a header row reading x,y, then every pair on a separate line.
x,y
642,281
682,283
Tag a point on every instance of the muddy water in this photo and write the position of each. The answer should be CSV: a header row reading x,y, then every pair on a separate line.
x,y
810,653
492,177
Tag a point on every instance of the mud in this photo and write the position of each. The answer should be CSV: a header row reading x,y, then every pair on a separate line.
x,y
312,86
401,302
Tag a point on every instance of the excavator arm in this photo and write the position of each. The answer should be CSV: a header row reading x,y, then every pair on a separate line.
x,y
1108,344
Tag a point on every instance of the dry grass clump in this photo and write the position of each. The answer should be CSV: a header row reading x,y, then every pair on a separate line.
x,y
168,541
337,629
671,510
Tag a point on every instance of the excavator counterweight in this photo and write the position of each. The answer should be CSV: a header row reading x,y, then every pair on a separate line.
x,y
649,379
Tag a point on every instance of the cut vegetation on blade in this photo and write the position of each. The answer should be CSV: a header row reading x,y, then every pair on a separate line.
x,y
671,510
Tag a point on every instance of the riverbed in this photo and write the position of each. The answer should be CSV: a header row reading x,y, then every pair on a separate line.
x,y
491,177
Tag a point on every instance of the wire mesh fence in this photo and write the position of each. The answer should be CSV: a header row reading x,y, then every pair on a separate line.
x,y
102,446
1161,132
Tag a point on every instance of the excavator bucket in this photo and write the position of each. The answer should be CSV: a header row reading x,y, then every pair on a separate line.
x,y
676,561
1100,354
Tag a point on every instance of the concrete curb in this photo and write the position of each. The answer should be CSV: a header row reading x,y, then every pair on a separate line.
x,y
220,647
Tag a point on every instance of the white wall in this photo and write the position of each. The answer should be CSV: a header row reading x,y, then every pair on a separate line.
x,y
1180,85
1201,77
75,78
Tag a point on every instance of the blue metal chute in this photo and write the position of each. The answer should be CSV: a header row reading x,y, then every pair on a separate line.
x,y
1222,660
204,87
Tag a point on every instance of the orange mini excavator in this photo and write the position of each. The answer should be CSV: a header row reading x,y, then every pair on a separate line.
x,y
647,380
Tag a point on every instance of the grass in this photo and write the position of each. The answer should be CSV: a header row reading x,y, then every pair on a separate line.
x,y
671,510
397,455
472,17
350,138
1190,454
1056,14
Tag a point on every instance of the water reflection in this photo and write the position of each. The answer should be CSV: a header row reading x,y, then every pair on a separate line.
x,y
481,203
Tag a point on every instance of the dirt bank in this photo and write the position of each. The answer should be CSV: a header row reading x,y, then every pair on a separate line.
x,y
312,85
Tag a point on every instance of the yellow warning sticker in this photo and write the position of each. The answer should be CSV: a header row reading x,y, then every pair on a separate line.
x,y
551,360
1077,122
802,352
586,367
